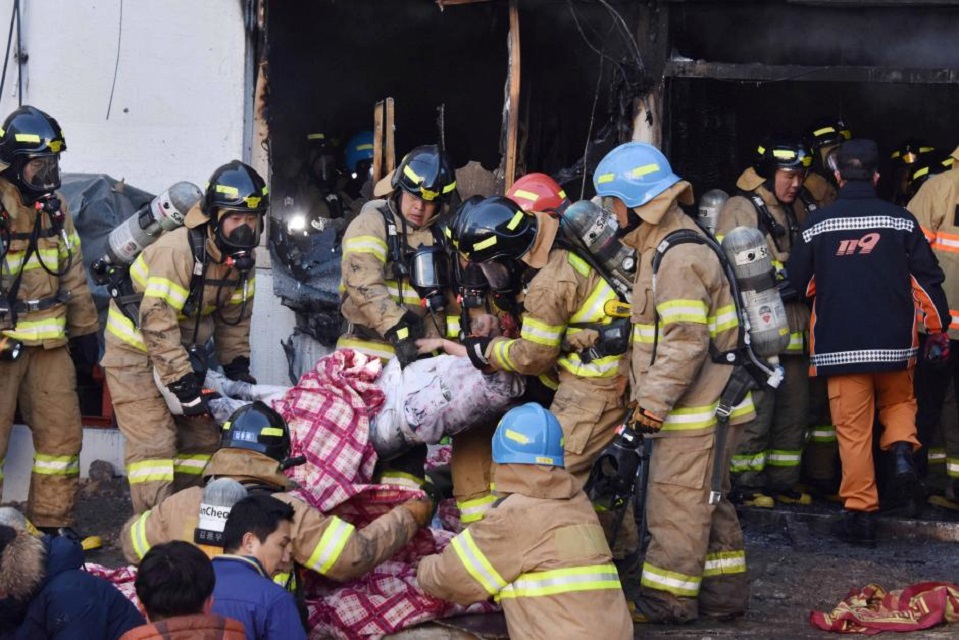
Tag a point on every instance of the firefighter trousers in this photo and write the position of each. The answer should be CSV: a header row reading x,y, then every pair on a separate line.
x,y
770,450
853,399
696,563
44,383
936,424
163,453
821,455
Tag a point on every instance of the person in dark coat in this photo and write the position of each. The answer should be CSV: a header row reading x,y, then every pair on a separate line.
x,y
45,593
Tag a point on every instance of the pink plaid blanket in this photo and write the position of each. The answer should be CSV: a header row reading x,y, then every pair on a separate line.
x,y
328,412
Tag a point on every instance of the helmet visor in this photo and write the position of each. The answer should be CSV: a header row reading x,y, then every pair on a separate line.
x,y
42,174
430,269
498,275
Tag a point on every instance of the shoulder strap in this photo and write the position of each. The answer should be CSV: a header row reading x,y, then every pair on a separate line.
x,y
564,243
767,222
197,240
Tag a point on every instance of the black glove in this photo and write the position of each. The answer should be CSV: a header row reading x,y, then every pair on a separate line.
x,y
476,350
191,395
239,370
403,336
85,351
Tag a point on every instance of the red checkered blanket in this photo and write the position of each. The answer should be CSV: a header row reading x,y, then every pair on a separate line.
x,y
328,412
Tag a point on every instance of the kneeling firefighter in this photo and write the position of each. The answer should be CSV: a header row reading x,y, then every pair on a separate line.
x,y
46,313
685,328
567,321
196,283
255,450
396,284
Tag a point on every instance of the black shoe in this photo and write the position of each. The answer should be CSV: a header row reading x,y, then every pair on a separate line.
x,y
857,527
903,465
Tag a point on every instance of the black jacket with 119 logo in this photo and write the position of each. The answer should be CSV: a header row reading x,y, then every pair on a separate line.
x,y
872,277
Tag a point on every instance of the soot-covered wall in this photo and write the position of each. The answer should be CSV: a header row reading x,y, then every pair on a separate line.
x,y
713,126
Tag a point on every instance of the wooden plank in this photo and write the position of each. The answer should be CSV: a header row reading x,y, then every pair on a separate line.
x,y
390,138
512,126
757,72
378,141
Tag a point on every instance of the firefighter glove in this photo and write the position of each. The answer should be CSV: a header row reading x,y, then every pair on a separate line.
x,y
644,420
421,509
191,395
476,350
937,349
403,336
239,370
85,351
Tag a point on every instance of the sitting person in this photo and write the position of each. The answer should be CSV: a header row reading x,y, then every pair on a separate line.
x,y
257,543
540,549
45,593
175,588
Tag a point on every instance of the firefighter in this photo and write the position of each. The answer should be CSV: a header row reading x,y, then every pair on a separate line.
x,y
540,551
358,159
196,282
934,206
46,313
320,202
903,159
254,449
385,313
695,564
825,136
772,199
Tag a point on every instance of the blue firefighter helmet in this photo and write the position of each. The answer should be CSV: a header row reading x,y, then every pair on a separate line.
x,y
635,173
359,149
528,434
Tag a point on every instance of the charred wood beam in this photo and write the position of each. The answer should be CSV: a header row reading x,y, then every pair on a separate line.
x,y
841,4
756,72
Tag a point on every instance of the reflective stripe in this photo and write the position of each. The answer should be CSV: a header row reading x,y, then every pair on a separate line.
x,y
548,583
452,327
748,462
121,327
366,244
682,311
670,581
724,563
331,545
238,296
38,330
724,320
477,564
645,333
689,418
139,272
166,290
56,465
409,293
402,479
783,458
824,433
501,355
593,307
605,367
541,333
13,262
474,510
191,464
157,470
138,535
952,467
937,456
579,265
380,350
797,342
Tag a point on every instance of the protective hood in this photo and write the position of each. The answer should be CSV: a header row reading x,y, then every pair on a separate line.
x,y
22,565
955,154
384,187
535,481
654,210
749,180
547,228
246,466
195,217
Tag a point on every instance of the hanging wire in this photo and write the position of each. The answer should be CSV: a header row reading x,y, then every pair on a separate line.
x,y
116,65
16,10
6,58
592,121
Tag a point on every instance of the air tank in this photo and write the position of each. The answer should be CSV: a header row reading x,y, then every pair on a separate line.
x,y
710,204
596,228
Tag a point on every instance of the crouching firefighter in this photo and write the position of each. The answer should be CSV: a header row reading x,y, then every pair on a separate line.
x,y
396,284
196,283
684,316
540,550
254,451
46,313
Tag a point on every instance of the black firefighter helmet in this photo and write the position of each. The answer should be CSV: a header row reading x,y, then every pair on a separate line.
x,y
427,173
30,134
257,427
235,188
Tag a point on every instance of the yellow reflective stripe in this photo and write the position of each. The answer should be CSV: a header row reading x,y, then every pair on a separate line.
x,y
670,581
541,333
452,326
409,294
401,479
27,137
474,510
743,462
380,350
743,408
952,467
190,464
272,431
578,264
548,583
412,175
645,333
639,172
819,132
515,220
501,355
228,190
48,465
331,545
777,264
547,381
156,470
725,319
139,272
593,307
13,262
37,330
605,367
525,195
366,244
724,563
138,535
238,296
690,418
484,244
121,327
682,311
796,341
477,564
449,187
606,177
936,456
166,290
783,458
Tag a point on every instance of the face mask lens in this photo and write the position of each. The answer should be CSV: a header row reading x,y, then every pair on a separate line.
x,y
42,174
242,237
497,274
430,269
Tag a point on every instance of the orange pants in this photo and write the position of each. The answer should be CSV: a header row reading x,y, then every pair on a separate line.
x,y
852,401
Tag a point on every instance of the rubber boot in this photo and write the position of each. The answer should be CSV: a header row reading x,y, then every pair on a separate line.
x,y
857,527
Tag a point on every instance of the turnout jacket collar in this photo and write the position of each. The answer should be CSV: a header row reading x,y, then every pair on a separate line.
x,y
246,466
535,481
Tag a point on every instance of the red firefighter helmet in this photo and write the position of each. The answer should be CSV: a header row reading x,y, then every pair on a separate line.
x,y
538,192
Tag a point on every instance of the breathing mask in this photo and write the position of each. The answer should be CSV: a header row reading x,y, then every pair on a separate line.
x,y
430,276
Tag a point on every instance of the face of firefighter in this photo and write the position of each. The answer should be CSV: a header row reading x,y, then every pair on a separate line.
x,y
275,552
787,184
416,210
